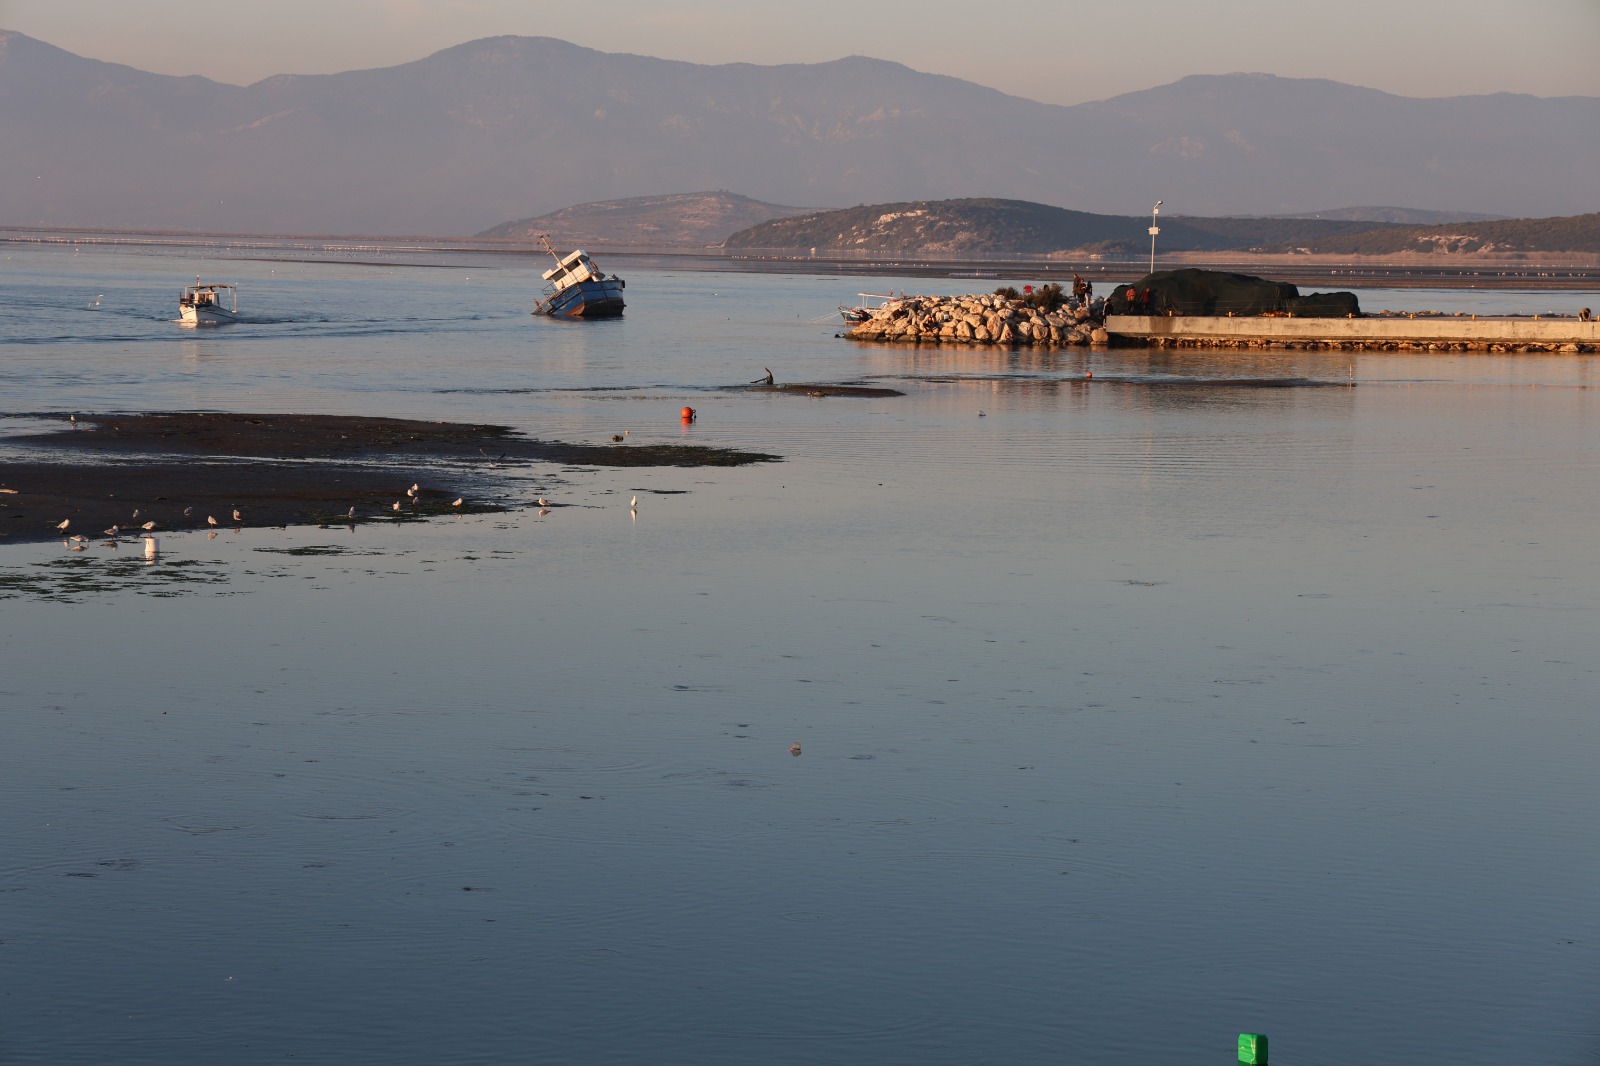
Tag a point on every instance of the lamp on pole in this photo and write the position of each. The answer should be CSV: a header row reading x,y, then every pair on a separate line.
x,y
1154,229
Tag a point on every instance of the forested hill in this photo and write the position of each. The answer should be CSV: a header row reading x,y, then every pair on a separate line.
x,y
1569,233
988,227
1016,227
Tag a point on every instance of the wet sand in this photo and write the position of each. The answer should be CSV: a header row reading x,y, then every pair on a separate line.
x,y
284,469
867,391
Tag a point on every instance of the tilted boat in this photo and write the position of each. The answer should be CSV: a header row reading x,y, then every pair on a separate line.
x,y
866,309
208,304
578,289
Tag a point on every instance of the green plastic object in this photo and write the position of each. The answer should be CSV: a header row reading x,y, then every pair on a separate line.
x,y
1252,1049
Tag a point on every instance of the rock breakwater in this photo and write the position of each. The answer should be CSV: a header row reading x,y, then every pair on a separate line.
x,y
994,319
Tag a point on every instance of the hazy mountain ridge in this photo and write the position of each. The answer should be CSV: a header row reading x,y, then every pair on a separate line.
x,y
513,127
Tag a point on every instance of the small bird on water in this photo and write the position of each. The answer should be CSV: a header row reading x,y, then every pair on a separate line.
x,y
794,749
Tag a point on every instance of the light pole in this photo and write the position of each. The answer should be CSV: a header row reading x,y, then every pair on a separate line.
x,y
1154,229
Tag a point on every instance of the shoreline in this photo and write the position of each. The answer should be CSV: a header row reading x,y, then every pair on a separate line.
x,y
1554,271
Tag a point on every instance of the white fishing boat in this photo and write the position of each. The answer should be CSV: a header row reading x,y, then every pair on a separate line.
x,y
208,304
870,304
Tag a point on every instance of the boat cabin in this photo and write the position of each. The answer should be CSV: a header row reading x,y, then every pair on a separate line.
x,y
574,268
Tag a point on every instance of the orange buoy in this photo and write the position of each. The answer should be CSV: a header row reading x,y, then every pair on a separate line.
x,y
1090,374
688,414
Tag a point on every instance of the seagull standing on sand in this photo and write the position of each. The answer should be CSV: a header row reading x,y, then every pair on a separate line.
x,y
65,522
148,526
352,513
211,520
397,505
458,502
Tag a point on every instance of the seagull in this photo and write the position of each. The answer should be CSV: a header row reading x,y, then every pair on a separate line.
x,y
65,522
352,513
397,505
542,502
73,419
416,487
211,520
148,526
187,511
237,517
135,517
458,502
794,749
78,538
634,502
113,531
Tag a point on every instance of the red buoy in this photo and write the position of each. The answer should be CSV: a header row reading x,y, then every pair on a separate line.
x,y
688,414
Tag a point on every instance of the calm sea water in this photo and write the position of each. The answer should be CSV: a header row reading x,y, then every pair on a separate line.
x,y
1134,712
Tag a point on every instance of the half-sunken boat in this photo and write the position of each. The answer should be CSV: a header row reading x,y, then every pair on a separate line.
x,y
208,304
578,289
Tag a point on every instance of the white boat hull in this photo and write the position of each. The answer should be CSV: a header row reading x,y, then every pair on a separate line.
x,y
205,316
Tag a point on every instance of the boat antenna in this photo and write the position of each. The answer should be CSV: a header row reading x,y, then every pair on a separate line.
x,y
546,242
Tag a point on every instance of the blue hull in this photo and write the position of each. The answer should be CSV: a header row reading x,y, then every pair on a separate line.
x,y
585,299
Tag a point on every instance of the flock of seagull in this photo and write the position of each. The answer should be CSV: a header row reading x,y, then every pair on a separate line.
x,y
78,542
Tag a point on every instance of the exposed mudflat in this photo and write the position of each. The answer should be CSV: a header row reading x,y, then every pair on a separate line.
x,y
283,469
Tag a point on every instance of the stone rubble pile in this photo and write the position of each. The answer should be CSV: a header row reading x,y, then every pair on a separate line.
x,y
979,320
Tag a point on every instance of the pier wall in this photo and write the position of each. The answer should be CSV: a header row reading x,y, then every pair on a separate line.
x,y
1426,331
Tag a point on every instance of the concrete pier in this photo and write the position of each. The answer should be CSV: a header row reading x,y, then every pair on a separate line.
x,y
1385,333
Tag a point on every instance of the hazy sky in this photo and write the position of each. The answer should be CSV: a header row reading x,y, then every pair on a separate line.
x,y
1050,50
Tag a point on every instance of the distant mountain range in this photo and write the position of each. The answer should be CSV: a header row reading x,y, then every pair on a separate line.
x,y
515,127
